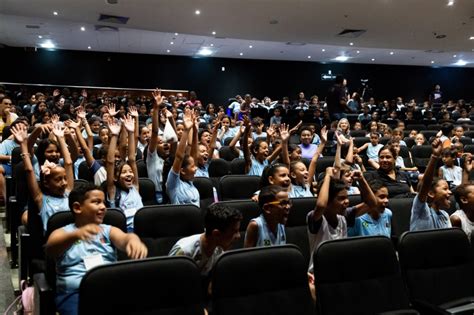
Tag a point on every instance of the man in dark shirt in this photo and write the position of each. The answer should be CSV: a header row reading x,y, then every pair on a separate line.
x,y
337,99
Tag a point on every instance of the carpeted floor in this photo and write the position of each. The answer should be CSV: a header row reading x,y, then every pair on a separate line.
x,y
6,287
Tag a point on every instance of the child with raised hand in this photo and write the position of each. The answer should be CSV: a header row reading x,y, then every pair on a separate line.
x,y
376,220
179,185
86,243
301,177
51,194
269,228
328,220
122,177
449,171
433,196
256,156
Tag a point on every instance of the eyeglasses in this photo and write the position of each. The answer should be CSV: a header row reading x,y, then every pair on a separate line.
x,y
282,203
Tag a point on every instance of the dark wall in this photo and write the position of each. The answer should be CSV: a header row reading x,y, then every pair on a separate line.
x,y
257,77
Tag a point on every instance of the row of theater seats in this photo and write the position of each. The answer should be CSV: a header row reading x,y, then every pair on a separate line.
x,y
432,275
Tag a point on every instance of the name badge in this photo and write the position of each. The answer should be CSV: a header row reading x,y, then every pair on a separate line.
x,y
93,261
130,212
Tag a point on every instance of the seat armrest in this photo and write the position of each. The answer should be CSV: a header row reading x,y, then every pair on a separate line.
x,y
44,295
427,308
401,312
23,252
465,304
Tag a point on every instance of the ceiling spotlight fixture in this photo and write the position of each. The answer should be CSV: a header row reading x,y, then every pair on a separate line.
x,y
250,46
48,44
460,62
213,32
171,43
83,28
168,51
454,56
309,57
323,50
212,45
55,12
176,34
471,38
373,59
391,53
39,36
205,51
450,2
241,54
341,58
432,61
197,12
358,52
352,44
89,47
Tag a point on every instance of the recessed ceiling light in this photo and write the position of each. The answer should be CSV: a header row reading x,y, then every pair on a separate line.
x,y
171,43
55,12
250,46
197,12
460,62
432,61
450,2
241,54
358,51
309,57
176,34
471,38
212,45
341,58
168,51
83,28
213,32
391,53
39,36
323,50
48,44
352,44
373,59
205,52
454,56
89,47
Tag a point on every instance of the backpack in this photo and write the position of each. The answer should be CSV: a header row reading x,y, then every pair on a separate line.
x,y
24,303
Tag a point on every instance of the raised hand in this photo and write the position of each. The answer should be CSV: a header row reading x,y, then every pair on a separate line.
x,y
114,126
331,172
80,112
356,174
71,124
88,232
56,93
468,164
54,119
167,113
159,99
339,139
84,93
58,130
324,135
19,132
271,131
46,128
188,119
295,128
284,133
132,110
129,123
437,145
111,110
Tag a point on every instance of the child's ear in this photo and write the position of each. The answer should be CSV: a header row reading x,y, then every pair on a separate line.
x,y
464,200
431,194
270,180
266,209
76,207
292,175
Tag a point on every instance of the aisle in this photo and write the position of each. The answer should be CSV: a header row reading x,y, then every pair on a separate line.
x,y
6,287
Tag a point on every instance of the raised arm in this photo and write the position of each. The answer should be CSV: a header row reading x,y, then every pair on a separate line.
x,y
437,147
129,125
468,165
46,129
323,194
59,133
337,158
132,110
195,139
245,145
368,196
212,143
129,243
114,127
180,151
285,137
82,143
314,159
81,114
20,133
154,119
59,241
350,152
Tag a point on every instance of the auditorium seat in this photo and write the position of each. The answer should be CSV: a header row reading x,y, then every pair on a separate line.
x,y
218,168
147,191
238,186
401,214
227,153
206,192
141,168
266,280
421,155
237,167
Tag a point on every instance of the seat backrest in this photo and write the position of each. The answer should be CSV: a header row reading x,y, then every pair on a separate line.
x,y
84,172
373,269
299,210
358,133
429,133
148,286
141,168
417,127
276,283
161,226
237,167
219,168
401,214
147,191
238,186
323,163
227,153
409,141
437,265
360,141
206,191
469,148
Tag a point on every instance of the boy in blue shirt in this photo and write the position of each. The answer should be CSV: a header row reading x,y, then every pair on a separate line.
x,y
377,220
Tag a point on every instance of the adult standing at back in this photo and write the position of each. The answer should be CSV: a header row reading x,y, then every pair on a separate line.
x,y
337,99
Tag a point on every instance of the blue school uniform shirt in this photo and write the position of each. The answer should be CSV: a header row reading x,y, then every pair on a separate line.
x,y
265,236
6,148
423,217
70,267
256,168
76,166
52,205
181,192
129,202
202,171
300,191
365,225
